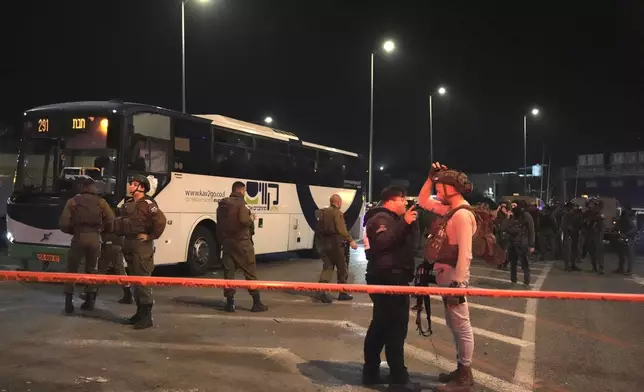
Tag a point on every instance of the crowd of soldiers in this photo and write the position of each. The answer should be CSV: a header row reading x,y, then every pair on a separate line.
x,y
101,240
567,233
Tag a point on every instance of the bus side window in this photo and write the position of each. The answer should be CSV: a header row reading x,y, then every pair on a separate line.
x,y
232,154
150,142
270,160
192,147
304,166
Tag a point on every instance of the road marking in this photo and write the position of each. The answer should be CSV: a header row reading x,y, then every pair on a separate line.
x,y
488,268
490,278
433,297
10,308
490,334
436,360
344,323
430,358
524,372
491,309
282,355
507,272
636,278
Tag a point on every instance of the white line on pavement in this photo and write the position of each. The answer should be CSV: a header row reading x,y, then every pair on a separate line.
x,y
490,334
433,359
488,268
637,279
490,278
433,297
524,372
344,323
282,355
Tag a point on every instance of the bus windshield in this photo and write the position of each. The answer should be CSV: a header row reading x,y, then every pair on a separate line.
x,y
52,163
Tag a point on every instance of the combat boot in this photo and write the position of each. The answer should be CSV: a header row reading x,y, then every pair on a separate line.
x,y
371,377
90,298
258,306
127,296
345,297
447,377
145,321
230,305
135,319
324,297
69,303
463,381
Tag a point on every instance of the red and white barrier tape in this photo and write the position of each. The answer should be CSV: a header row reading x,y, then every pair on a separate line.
x,y
54,277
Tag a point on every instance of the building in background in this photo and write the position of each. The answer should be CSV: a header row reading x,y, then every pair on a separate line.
x,y
508,183
619,175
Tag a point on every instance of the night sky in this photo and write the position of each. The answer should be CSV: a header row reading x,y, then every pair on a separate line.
x,y
306,63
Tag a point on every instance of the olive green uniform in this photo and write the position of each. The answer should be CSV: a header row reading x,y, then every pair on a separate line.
x,y
235,227
112,255
140,217
334,237
85,216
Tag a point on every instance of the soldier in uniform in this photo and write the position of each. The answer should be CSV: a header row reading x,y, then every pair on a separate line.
x,y
85,216
594,234
627,226
141,222
234,225
333,235
571,227
112,258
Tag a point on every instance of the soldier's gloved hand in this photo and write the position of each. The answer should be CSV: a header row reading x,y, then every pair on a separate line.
x,y
436,167
353,245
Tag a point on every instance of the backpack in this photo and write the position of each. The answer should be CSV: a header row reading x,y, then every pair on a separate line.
x,y
484,243
87,211
228,225
322,226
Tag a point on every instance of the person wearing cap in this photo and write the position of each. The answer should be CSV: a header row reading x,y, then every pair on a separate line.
x,y
140,222
85,216
454,270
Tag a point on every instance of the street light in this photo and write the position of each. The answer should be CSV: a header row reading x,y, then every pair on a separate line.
x,y
382,168
268,120
388,46
183,53
535,112
441,91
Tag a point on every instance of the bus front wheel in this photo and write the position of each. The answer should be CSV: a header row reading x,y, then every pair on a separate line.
x,y
202,252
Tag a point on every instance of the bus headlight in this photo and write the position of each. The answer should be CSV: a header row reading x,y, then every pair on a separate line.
x,y
9,236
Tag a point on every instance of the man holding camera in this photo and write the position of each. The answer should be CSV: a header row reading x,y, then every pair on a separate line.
x,y
390,262
452,268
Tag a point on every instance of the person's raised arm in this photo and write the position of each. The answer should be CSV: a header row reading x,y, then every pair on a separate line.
x,y
424,198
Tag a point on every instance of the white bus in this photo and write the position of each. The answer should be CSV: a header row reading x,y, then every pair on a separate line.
x,y
192,161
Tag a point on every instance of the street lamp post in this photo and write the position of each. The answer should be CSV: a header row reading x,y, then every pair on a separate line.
x,y
183,53
388,47
441,91
535,112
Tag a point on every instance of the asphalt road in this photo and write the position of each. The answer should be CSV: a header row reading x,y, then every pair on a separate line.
x,y
302,345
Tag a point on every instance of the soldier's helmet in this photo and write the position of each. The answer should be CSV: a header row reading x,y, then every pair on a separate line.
x,y
141,179
454,178
593,203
